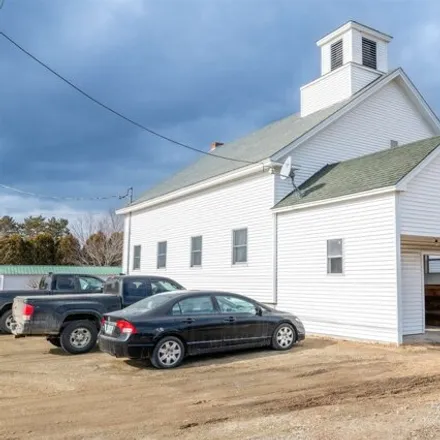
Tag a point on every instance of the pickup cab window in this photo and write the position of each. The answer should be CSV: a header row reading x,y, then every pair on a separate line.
x,y
65,282
136,288
44,283
90,284
159,285
112,285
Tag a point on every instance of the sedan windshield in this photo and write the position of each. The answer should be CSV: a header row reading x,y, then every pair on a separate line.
x,y
152,302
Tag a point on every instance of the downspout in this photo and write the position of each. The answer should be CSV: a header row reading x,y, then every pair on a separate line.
x,y
130,195
128,243
275,259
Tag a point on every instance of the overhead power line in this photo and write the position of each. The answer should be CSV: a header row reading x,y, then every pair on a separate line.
x,y
129,194
115,112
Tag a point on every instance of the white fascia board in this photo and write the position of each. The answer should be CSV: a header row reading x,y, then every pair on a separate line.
x,y
361,195
420,101
403,183
206,184
335,116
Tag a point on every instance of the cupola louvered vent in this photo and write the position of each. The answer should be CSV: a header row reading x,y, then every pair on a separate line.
x,y
336,55
369,53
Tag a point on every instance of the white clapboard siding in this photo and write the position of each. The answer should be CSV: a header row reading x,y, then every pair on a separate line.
x,y
326,90
420,204
361,76
368,128
361,303
412,292
213,214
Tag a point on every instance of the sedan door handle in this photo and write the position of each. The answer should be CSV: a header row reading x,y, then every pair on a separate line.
x,y
230,319
188,320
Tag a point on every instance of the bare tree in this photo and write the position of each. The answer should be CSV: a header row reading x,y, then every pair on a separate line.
x,y
101,239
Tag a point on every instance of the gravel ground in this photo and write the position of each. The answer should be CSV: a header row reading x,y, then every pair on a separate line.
x,y
322,389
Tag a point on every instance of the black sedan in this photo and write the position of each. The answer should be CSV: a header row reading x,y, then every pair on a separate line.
x,y
169,326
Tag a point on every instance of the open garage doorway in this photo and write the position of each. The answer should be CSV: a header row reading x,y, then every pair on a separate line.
x,y
432,290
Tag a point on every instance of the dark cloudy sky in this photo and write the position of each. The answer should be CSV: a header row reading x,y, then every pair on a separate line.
x,y
195,70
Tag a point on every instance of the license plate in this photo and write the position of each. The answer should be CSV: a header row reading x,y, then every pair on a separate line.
x,y
108,328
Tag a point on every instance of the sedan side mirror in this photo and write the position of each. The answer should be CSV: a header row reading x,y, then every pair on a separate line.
x,y
258,311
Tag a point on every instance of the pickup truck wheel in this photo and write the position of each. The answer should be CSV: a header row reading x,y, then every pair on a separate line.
x,y
79,337
6,321
54,340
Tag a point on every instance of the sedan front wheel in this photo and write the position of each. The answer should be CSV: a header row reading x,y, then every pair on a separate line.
x,y
284,337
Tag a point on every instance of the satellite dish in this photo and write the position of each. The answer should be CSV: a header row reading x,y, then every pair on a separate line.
x,y
286,169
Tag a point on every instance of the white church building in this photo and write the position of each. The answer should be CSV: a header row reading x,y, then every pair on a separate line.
x,y
345,252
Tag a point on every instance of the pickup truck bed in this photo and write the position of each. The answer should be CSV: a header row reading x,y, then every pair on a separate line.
x,y
50,312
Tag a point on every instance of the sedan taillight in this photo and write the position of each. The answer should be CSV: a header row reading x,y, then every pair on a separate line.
x,y
126,327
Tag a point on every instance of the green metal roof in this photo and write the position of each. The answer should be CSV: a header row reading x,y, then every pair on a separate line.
x,y
43,270
366,173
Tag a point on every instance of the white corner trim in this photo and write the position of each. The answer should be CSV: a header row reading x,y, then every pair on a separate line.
x,y
337,114
399,299
402,185
361,195
206,184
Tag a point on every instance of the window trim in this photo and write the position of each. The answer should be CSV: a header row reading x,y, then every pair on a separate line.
x,y
341,256
136,258
192,252
240,263
336,66
163,254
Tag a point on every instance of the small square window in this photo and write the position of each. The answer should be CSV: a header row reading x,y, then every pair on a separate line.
x,y
136,257
239,246
161,254
334,256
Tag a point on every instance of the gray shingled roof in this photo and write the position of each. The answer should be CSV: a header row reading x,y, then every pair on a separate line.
x,y
255,147
379,170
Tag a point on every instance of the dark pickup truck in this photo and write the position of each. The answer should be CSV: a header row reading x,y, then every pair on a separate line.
x,y
73,321
60,284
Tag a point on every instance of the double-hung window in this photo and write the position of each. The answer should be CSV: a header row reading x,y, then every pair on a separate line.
x,y
196,251
239,246
334,256
161,254
136,257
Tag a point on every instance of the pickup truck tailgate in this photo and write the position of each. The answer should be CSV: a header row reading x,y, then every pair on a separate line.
x,y
17,312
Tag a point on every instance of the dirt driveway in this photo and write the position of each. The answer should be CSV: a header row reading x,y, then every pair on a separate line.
x,y
321,390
